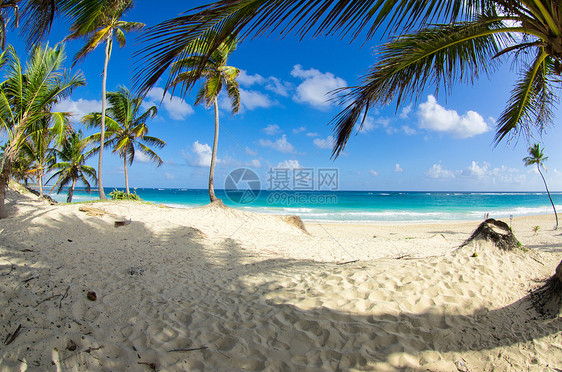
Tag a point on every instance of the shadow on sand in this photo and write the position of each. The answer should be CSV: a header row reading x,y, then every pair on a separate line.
x,y
154,301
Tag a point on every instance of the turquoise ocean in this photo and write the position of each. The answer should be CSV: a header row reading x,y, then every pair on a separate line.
x,y
358,206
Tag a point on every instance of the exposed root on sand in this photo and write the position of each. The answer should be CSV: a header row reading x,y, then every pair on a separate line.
x,y
498,232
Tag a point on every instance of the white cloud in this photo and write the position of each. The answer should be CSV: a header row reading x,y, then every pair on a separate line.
x,y
254,163
279,87
141,157
281,145
405,112
200,155
381,122
299,130
374,173
250,152
169,176
435,117
78,108
177,108
324,143
398,169
316,86
272,129
312,134
438,172
408,130
251,99
248,80
498,175
290,164
476,170
271,83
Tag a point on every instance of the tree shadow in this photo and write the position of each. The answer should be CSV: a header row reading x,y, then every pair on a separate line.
x,y
162,293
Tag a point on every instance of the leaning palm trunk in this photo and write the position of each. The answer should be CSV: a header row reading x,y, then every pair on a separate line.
x,y
126,173
214,155
4,179
102,136
71,191
548,192
40,182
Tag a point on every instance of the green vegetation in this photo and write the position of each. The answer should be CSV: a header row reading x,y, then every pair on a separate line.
x,y
70,168
438,43
121,195
100,21
126,129
217,75
26,98
536,229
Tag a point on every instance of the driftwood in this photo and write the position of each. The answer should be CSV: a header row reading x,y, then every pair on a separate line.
x,y
11,337
498,232
93,211
122,223
295,221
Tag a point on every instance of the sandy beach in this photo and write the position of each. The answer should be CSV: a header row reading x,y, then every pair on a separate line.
x,y
225,290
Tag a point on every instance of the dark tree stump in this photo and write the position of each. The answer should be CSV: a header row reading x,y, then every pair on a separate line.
x,y
548,298
498,232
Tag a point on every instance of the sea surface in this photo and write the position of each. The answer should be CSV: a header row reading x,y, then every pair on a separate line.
x,y
357,206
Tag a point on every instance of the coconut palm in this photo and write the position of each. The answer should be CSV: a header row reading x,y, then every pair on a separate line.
x,y
26,98
473,37
126,129
217,75
99,22
70,167
536,157
4,6
39,146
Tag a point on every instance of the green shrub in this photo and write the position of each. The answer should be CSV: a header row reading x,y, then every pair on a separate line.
x,y
122,195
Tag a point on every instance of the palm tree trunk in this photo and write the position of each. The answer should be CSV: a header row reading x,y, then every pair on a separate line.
x,y
102,137
40,181
126,174
71,191
4,179
214,154
548,192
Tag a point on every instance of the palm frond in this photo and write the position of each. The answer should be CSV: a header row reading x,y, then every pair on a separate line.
x,y
249,18
438,56
531,101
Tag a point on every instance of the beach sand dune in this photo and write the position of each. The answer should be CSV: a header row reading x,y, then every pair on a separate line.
x,y
226,290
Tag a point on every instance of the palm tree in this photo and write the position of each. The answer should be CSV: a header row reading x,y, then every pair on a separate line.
x,y
126,128
71,168
98,22
39,148
536,157
217,75
4,6
473,36
26,98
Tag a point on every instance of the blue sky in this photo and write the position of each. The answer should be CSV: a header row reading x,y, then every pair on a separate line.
x,y
439,143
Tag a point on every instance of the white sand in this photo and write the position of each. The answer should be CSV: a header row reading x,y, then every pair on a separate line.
x,y
259,294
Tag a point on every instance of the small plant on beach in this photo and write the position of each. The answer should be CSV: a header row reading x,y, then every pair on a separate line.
x,y
536,229
122,195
